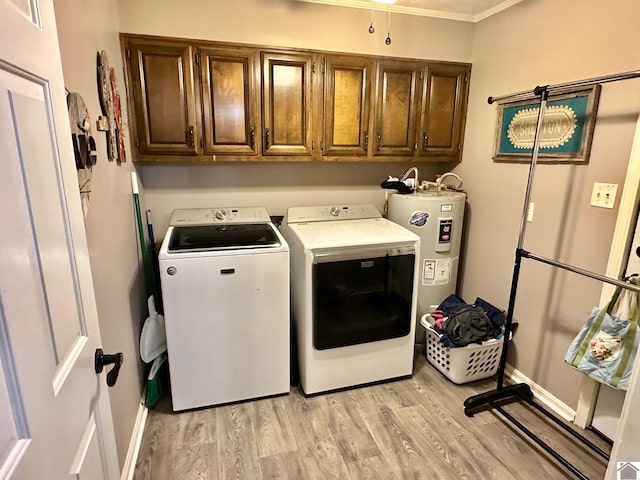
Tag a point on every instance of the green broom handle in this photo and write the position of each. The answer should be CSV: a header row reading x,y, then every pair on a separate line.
x,y
143,245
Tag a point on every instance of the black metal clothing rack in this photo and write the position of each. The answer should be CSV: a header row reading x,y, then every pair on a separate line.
x,y
522,391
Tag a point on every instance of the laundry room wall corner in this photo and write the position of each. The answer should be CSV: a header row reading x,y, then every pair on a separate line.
x,y
84,29
552,305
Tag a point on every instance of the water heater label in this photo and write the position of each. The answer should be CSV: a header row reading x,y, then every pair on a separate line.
x,y
437,271
419,218
444,230
446,207
428,270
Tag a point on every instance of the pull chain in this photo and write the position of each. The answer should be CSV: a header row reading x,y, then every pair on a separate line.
x,y
387,40
371,28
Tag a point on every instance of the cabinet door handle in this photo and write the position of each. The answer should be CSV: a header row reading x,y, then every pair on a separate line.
x,y
366,141
191,136
252,138
378,140
267,138
425,141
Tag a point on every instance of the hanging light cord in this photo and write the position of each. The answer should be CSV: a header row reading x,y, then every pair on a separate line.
x,y
371,27
387,40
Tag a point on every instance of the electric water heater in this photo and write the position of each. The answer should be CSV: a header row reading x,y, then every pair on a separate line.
x,y
436,217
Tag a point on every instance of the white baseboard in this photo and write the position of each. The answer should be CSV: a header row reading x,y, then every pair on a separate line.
x,y
129,466
552,403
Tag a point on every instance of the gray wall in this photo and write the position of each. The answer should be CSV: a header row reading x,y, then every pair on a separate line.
x,y
540,42
84,28
291,24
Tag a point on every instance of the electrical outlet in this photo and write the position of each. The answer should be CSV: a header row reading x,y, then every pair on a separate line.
x,y
530,212
603,195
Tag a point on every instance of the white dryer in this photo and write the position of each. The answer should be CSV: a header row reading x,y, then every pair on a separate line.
x,y
353,294
225,284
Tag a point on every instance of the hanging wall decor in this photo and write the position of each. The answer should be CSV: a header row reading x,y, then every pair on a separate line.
x,y
105,95
567,128
117,115
84,146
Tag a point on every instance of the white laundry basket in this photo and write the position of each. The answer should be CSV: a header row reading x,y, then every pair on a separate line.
x,y
461,364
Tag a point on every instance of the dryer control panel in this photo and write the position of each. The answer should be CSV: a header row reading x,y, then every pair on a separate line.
x,y
331,213
219,215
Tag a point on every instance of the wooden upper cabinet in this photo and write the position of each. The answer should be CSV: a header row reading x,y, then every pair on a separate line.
x,y
287,89
347,91
443,111
229,100
163,95
397,108
213,101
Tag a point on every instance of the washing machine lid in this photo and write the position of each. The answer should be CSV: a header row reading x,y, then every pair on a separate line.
x,y
351,233
202,238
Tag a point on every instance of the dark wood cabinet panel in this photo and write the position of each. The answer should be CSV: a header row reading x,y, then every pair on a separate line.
x,y
212,101
347,91
443,111
287,89
421,110
163,96
229,100
397,108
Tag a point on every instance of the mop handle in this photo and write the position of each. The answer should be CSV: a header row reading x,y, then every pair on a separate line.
x,y
143,245
157,292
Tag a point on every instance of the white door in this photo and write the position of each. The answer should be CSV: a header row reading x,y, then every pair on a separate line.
x,y
606,414
55,418
627,433
633,266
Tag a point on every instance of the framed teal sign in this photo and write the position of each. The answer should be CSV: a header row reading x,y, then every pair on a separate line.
x,y
566,133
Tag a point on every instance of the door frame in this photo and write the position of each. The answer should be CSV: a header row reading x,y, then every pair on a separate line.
x,y
623,232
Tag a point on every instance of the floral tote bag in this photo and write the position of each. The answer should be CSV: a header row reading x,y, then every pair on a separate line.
x,y
606,346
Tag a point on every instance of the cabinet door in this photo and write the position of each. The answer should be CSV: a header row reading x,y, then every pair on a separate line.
x,y
163,94
286,103
347,88
443,111
397,108
229,100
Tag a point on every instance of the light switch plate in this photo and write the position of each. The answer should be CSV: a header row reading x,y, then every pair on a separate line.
x,y
603,195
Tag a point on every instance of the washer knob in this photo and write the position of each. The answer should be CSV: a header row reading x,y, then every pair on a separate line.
x,y
221,214
335,211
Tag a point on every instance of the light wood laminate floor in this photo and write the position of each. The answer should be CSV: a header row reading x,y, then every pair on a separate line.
x,y
406,429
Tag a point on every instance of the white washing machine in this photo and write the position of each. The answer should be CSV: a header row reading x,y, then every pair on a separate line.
x,y
353,294
225,284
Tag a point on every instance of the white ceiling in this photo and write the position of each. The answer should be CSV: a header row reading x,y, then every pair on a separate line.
x,y
462,10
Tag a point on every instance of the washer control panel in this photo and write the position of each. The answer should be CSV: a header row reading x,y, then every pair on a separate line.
x,y
217,215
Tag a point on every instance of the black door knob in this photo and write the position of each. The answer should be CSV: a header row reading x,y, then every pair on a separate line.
x,y
101,360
